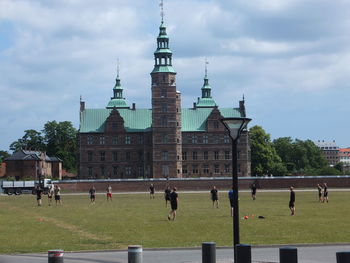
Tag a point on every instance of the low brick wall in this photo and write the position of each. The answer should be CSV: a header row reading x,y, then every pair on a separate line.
x,y
193,184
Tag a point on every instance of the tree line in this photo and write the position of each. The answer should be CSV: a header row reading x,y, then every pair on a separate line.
x,y
56,139
285,156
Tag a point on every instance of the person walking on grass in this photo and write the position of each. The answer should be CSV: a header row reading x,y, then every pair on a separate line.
x,y
174,200
214,196
151,191
109,193
92,193
167,193
319,189
325,193
39,193
230,197
253,190
50,194
292,201
57,192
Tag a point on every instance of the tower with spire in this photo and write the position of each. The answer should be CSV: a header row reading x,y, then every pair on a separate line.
x,y
206,101
117,101
166,110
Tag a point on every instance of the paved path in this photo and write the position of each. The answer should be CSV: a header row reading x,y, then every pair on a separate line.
x,y
306,254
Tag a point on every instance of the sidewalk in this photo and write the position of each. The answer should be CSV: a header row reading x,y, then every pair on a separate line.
x,y
306,254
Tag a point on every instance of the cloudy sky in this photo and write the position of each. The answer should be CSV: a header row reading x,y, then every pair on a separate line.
x,y
290,59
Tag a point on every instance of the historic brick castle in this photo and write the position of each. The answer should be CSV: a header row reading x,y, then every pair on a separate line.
x,y
120,141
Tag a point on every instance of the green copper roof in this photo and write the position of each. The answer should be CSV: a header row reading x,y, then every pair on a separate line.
x,y
117,103
93,120
139,120
206,102
164,69
162,50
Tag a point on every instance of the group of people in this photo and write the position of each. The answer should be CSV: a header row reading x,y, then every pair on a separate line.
x,y
92,194
54,191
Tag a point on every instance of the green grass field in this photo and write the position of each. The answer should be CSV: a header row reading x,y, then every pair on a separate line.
x,y
135,219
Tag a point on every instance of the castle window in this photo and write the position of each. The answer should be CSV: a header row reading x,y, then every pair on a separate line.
x,y
194,138
114,126
164,156
128,171
90,140
216,155
115,156
115,171
205,155
140,139
165,171
90,172
127,156
227,168
115,140
227,155
205,139
205,169
184,156
127,139
102,156
102,139
216,169
226,139
216,125
194,155
164,107
195,169
141,156
163,121
184,169
164,138
89,156
216,139
163,93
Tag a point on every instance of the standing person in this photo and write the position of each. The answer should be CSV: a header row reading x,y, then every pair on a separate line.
x,y
109,193
292,201
151,191
167,192
92,193
325,192
174,200
319,189
253,189
50,194
57,192
214,196
39,193
230,197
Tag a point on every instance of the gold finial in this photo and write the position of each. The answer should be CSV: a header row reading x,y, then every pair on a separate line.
x,y
162,10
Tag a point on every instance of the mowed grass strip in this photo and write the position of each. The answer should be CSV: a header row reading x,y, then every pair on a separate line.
x,y
137,219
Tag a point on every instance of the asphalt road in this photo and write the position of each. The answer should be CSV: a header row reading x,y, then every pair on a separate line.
x,y
306,254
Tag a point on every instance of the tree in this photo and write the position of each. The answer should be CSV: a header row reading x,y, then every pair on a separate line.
x,y
3,155
263,154
32,140
60,139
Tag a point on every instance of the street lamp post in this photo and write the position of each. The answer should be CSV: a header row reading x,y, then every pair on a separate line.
x,y
235,126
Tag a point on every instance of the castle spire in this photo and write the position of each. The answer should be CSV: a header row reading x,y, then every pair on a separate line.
x,y
206,101
117,101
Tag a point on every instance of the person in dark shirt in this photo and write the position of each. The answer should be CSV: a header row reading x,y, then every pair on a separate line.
x,y
292,201
230,197
92,193
253,189
325,193
319,189
214,196
39,193
167,192
151,191
173,202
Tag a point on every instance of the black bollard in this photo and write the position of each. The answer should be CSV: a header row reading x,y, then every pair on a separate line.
x,y
55,256
244,253
135,254
343,257
288,255
208,252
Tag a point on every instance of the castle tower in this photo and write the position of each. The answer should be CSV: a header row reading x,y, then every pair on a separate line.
x,y
166,112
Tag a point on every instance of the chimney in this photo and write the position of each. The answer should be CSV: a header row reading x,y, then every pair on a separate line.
x,y
133,106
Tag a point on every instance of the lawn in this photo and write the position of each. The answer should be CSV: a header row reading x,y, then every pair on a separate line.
x,y
136,219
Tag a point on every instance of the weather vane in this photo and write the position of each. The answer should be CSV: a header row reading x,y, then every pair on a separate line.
x,y
118,67
162,10
206,67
